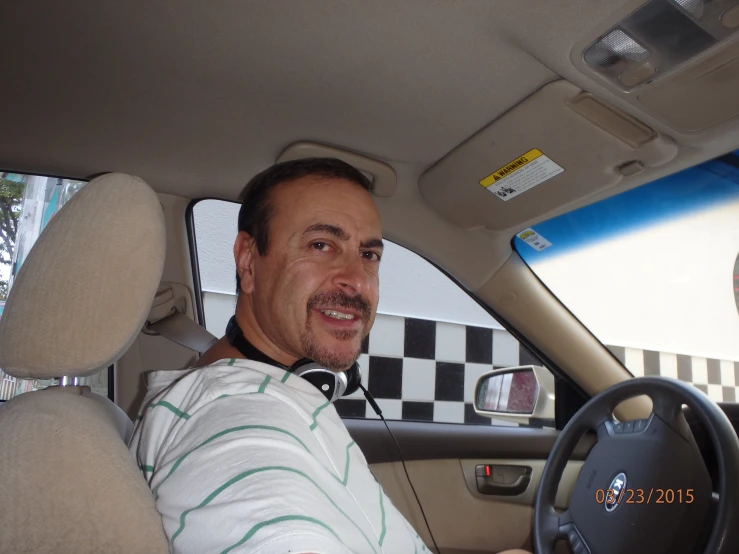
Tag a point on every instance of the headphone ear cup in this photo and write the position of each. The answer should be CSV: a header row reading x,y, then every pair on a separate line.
x,y
353,379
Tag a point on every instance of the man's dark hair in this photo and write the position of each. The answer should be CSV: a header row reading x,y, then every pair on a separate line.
x,y
257,209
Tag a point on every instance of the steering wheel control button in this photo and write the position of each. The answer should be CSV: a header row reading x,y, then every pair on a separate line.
x,y
577,543
629,427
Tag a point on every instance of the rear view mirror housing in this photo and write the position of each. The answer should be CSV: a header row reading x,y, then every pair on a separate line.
x,y
517,394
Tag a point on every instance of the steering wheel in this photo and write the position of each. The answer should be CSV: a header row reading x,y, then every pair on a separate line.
x,y
644,486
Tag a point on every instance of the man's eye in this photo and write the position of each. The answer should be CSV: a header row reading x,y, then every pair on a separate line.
x,y
372,256
322,246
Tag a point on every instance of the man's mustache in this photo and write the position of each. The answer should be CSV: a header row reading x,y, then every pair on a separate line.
x,y
339,299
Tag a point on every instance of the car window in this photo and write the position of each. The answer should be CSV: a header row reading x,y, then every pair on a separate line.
x,y
653,273
429,344
27,204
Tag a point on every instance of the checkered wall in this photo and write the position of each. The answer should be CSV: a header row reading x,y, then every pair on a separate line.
x,y
717,378
423,370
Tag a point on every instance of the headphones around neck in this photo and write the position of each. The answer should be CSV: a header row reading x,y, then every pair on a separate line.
x,y
332,384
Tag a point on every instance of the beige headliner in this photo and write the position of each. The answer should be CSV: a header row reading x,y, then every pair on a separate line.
x,y
195,97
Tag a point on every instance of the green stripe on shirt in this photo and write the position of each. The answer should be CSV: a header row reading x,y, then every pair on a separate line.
x,y
184,415
264,384
315,414
171,408
258,526
246,474
218,435
346,467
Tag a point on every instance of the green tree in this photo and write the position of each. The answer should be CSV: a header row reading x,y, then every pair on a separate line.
x,y
11,197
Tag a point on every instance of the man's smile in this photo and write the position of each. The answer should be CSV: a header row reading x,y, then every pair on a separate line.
x,y
339,309
337,315
336,319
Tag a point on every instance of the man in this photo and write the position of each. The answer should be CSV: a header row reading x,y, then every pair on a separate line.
x,y
244,455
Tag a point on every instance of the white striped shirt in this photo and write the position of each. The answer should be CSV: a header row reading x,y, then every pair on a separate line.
x,y
245,457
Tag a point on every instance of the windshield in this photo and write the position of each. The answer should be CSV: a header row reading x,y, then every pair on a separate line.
x,y
653,273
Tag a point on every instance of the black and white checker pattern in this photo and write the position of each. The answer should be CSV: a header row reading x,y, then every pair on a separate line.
x,y
717,378
425,370
422,370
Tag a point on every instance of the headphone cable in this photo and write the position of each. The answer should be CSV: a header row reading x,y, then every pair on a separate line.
x,y
378,411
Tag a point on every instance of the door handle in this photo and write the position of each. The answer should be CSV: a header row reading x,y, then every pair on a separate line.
x,y
502,480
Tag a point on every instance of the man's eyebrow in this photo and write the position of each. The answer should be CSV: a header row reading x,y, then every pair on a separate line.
x,y
338,232
372,243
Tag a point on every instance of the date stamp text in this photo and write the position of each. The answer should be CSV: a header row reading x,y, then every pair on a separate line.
x,y
644,496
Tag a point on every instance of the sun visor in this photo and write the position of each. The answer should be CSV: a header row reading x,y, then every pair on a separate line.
x,y
559,145
381,175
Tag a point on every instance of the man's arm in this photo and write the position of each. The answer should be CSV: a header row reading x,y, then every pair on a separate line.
x,y
246,471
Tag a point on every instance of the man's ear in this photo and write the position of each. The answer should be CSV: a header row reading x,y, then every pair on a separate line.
x,y
245,253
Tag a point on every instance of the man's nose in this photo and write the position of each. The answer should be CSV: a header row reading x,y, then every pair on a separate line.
x,y
352,277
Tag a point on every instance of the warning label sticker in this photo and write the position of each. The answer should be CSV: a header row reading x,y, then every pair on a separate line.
x,y
534,239
520,175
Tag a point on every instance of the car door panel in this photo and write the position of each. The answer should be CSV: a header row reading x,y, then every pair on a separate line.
x,y
441,460
426,440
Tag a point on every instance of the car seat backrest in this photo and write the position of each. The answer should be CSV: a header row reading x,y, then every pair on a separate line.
x,y
80,299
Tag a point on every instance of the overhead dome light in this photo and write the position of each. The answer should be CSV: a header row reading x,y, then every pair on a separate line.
x,y
615,53
659,37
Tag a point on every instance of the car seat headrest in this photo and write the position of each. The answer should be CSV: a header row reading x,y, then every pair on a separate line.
x,y
84,291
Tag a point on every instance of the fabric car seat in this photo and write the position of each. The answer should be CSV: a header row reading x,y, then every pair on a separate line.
x,y
68,481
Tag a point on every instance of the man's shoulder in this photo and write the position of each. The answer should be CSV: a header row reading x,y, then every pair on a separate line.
x,y
231,371
240,394
232,377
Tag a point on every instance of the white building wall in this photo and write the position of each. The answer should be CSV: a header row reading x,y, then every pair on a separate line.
x,y
666,287
219,308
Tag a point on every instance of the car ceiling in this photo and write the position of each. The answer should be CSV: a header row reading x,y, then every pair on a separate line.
x,y
196,97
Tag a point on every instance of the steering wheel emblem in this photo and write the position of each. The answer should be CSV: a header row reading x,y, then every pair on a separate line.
x,y
614,492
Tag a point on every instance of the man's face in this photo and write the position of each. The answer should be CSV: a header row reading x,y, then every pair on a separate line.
x,y
315,293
